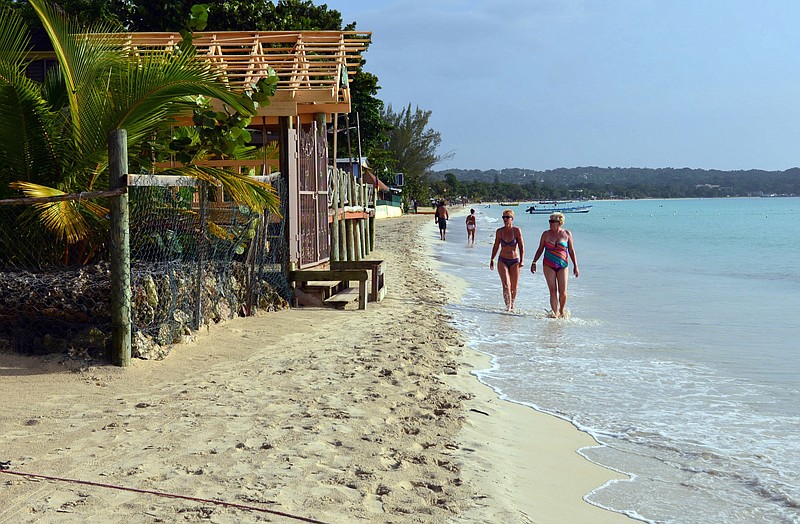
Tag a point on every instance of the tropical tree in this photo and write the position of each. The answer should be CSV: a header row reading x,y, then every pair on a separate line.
x,y
54,135
413,145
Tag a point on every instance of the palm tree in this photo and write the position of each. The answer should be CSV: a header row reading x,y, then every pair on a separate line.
x,y
53,135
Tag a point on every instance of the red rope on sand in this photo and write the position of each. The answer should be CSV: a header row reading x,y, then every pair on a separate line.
x,y
162,494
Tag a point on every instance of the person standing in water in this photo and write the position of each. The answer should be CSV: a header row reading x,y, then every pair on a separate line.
x,y
472,224
557,245
508,242
441,217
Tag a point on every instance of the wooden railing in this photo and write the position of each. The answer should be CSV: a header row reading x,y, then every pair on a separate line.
x,y
313,67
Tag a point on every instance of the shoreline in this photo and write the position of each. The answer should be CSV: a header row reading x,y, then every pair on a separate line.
x,y
340,416
558,481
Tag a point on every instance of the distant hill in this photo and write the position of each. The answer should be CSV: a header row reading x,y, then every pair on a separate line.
x,y
653,182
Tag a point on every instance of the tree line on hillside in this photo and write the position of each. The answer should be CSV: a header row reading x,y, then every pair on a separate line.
x,y
597,182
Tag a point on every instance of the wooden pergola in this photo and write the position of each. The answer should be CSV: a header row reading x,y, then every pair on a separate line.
x,y
313,67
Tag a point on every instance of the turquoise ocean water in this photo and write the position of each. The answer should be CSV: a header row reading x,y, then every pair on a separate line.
x,y
681,356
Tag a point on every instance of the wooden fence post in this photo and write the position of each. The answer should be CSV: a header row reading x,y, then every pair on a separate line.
x,y
120,250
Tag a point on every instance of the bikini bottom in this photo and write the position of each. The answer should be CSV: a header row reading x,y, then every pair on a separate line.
x,y
509,262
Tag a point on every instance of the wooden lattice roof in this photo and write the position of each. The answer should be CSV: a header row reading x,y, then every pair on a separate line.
x,y
313,67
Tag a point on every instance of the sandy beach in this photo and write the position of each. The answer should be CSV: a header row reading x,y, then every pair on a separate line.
x,y
303,415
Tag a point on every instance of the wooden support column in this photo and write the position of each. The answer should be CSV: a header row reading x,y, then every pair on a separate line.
x,y
359,246
351,230
291,207
120,250
334,204
365,222
342,222
374,216
362,221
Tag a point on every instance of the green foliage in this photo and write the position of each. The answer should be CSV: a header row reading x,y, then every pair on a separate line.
x,y
597,182
228,15
364,101
89,12
413,146
53,136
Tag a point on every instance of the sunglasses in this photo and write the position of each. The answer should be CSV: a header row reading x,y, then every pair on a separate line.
x,y
506,217
554,221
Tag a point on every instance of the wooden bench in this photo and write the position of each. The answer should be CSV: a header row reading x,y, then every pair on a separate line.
x,y
375,267
336,281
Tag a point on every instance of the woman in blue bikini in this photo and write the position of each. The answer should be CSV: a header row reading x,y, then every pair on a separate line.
x,y
557,245
508,241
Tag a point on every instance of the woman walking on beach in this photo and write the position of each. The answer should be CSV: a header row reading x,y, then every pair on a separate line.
x,y
471,225
508,241
557,245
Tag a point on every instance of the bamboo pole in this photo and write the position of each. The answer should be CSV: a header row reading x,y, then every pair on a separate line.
x,y
362,221
342,222
374,216
351,236
359,246
365,222
120,250
335,223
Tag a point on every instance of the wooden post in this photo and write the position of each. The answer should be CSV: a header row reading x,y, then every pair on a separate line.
x,y
334,204
342,222
351,234
362,221
120,250
359,248
365,222
287,162
374,216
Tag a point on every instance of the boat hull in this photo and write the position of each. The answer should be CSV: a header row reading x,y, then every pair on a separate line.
x,y
546,211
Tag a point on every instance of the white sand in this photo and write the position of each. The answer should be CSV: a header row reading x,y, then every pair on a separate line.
x,y
335,416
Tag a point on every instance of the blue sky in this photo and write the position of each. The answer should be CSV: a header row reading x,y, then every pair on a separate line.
x,y
541,84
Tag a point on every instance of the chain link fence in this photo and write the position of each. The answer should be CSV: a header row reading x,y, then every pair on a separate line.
x,y
194,261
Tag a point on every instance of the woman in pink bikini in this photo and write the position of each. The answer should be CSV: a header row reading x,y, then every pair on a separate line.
x,y
557,245
508,241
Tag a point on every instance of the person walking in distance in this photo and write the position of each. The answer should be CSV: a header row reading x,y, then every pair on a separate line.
x,y
472,224
441,217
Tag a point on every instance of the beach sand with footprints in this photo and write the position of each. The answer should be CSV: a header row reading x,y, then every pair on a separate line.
x,y
301,415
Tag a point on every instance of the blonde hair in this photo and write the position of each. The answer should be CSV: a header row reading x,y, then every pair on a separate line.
x,y
508,212
558,216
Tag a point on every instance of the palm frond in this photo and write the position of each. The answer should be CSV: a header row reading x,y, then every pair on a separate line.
x,y
242,189
24,119
62,218
79,58
165,84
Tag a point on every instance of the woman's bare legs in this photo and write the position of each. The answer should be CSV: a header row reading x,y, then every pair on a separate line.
x,y
513,280
551,277
561,282
505,279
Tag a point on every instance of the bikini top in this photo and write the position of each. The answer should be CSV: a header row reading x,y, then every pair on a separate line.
x,y
509,243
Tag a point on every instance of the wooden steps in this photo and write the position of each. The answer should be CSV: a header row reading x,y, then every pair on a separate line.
x,y
331,287
331,282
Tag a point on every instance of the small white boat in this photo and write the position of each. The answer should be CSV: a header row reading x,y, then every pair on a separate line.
x,y
546,208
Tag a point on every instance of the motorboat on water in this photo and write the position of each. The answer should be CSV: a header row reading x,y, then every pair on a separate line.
x,y
546,208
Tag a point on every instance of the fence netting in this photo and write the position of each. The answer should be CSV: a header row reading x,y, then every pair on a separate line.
x,y
196,259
